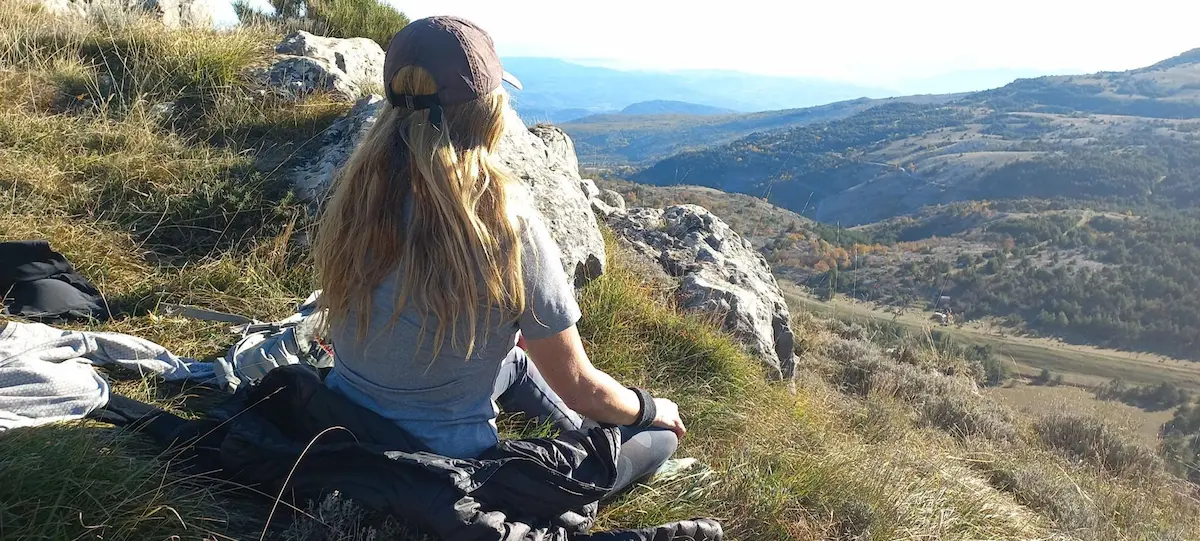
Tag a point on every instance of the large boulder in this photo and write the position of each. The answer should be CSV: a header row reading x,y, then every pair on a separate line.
x,y
553,184
307,63
544,159
172,13
720,273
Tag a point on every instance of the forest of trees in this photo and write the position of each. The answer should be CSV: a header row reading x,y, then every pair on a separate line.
x,y
1121,282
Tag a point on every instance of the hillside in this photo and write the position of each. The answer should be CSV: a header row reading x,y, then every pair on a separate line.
x,y
1167,89
1027,139
885,435
611,141
669,107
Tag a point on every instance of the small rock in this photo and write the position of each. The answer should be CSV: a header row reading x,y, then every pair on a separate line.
x,y
612,199
589,188
602,209
185,13
163,111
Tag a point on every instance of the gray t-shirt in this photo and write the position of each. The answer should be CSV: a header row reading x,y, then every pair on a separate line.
x,y
447,403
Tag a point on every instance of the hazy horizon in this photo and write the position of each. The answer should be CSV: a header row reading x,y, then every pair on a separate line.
x,y
947,83
924,46
873,43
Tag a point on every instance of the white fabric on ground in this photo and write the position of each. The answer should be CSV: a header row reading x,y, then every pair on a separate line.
x,y
48,374
269,345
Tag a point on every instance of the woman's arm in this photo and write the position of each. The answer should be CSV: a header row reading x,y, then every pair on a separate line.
x,y
589,391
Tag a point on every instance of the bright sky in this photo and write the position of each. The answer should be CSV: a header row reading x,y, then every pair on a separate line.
x,y
875,42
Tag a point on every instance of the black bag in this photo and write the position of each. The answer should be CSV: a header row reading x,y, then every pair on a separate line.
x,y
40,284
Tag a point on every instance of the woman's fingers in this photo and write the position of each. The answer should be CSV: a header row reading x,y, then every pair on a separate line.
x,y
668,416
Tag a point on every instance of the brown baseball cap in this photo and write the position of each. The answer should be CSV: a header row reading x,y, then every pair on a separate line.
x,y
459,55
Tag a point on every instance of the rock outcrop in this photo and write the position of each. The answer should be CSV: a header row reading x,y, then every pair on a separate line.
x,y
559,143
544,159
308,63
313,177
172,13
551,181
720,273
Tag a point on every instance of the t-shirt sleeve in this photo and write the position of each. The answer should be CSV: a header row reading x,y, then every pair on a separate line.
x,y
551,307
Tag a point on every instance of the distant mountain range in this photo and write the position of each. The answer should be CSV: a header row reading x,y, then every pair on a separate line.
x,y
558,90
671,107
1130,136
608,141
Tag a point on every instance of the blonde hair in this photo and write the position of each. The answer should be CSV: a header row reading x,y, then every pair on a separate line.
x,y
457,245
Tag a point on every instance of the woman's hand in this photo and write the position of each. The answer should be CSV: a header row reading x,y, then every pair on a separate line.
x,y
668,416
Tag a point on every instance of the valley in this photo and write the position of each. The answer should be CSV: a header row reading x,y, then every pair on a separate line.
x,y
1060,207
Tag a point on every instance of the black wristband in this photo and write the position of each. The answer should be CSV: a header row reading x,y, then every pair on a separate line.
x,y
647,410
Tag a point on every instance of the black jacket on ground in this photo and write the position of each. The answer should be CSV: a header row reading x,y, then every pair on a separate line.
x,y
38,283
530,489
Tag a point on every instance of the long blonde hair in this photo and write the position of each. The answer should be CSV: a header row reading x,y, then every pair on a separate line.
x,y
457,244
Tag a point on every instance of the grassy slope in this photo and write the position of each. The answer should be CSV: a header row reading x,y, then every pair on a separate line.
x,y
864,447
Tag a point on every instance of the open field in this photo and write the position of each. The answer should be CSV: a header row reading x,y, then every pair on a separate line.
x,y
1035,398
1079,365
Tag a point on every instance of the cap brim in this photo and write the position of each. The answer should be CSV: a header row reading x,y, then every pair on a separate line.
x,y
512,80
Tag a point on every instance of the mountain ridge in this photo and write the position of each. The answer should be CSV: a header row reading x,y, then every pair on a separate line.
x,y
622,141
660,107
906,156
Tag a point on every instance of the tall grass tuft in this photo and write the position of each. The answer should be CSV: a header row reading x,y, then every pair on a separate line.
x,y
1090,438
371,19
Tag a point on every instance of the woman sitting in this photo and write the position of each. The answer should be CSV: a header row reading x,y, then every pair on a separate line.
x,y
432,260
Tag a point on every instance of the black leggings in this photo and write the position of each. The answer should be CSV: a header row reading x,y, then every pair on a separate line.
x,y
520,387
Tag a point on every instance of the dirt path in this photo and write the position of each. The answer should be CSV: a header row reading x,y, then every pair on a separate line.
x,y
1081,365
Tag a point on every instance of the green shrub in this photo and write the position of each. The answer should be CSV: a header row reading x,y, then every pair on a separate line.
x,y
357,18
1161,397
50,472
1181,442
140,60
370,19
